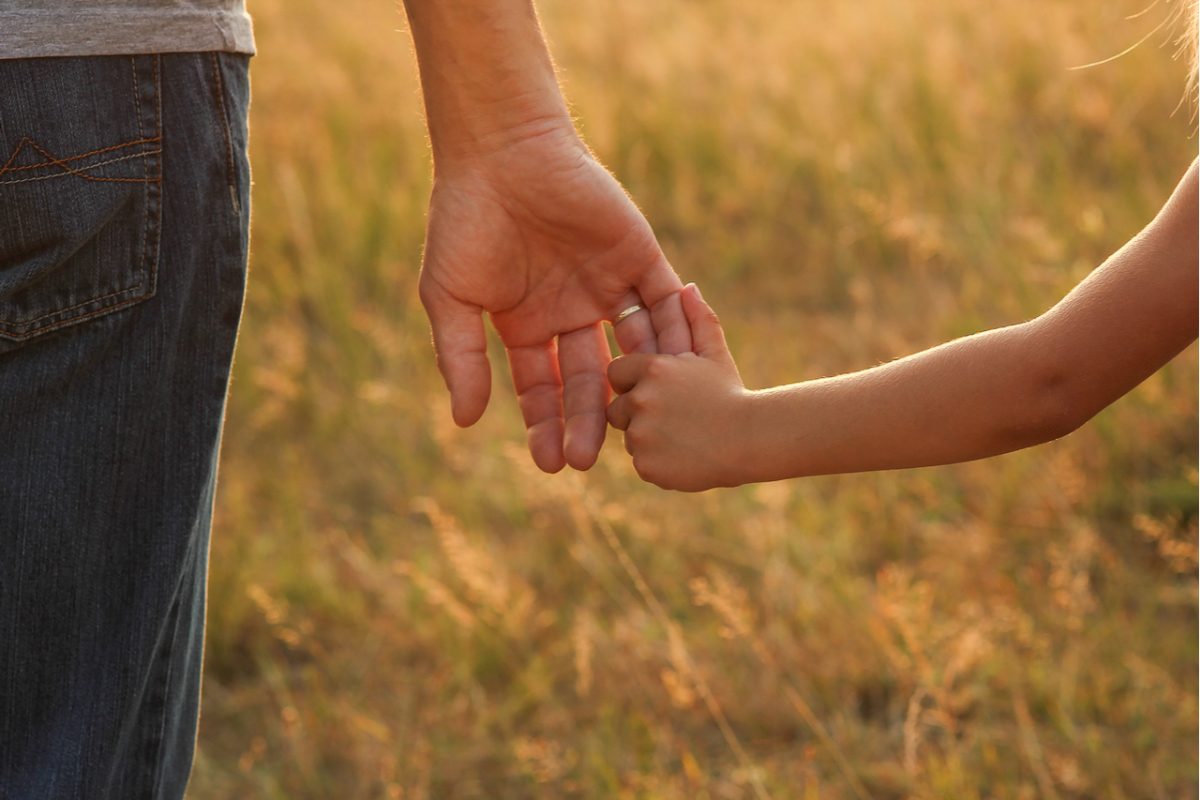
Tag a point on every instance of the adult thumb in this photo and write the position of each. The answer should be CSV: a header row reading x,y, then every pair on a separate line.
x,y
708,338
461,347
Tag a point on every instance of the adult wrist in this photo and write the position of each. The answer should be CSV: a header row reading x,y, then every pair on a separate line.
x,y
486,75
472,141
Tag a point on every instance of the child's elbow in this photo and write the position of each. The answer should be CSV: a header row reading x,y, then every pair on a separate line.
x,y
1054,403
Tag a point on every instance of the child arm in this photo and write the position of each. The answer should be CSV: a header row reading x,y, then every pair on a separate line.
x,y
691,425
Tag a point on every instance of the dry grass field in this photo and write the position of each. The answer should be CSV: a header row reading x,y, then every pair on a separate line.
x,y
403,609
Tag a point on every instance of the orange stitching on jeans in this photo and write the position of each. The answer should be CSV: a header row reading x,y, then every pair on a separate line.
x,y
5,167
21,145
79,172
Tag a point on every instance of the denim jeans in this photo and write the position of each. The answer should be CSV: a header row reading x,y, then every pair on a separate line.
x,y
124,192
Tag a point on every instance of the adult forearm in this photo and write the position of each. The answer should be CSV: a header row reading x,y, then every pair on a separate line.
x,y
486,75
971,398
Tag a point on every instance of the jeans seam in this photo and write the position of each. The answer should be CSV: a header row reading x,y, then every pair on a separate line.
x,y
154,751
13,328
230,169
137,100
144,258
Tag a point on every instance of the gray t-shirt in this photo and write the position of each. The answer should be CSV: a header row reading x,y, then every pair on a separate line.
x,y
122,27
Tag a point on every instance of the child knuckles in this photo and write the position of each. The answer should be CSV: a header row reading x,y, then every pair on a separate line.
x,y
658,368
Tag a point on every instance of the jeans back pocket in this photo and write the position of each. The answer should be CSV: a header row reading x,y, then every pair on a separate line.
x,y
80,190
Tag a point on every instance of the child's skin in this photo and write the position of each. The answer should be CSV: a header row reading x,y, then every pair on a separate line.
x,y
691,425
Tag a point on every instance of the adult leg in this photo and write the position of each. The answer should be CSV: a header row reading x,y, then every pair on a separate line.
x,y
123,239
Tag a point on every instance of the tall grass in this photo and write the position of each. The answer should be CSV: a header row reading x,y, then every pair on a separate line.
x,y
401,609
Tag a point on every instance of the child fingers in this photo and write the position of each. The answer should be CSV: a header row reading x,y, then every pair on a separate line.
x,y
671,325
659,288
625,372
619,414
708,338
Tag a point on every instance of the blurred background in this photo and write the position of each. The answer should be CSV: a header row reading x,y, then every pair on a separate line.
x,y
402,609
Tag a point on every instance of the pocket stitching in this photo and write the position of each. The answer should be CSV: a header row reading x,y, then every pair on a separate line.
x,y
81,172
28,322
6,168
20,331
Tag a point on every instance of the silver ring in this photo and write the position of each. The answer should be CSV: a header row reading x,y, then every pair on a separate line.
x,y
627,313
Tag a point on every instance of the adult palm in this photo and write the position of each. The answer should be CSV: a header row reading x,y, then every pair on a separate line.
x,y
539,235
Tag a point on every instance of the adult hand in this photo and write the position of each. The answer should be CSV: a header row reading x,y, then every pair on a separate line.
x,y
538,234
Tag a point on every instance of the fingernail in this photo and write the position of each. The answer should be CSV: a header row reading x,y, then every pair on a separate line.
x,y
696,289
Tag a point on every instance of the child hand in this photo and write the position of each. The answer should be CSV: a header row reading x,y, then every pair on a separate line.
x,y
681,413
